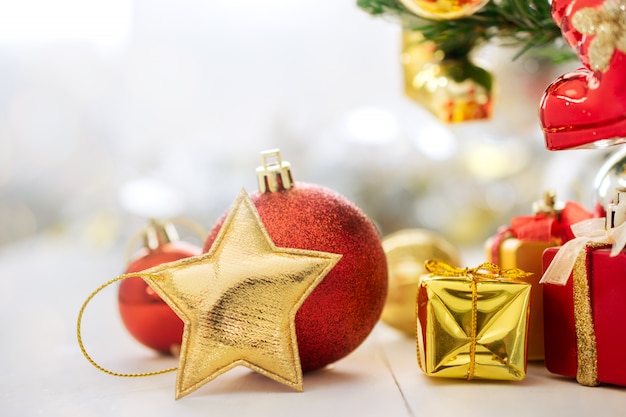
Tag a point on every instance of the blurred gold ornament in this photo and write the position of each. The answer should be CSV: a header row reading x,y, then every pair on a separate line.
x,y
407,251
453,89
444,9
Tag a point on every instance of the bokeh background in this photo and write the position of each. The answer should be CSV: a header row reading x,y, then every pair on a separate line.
x,y
113,111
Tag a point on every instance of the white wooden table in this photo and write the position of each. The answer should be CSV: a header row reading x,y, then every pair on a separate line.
x,y
45,280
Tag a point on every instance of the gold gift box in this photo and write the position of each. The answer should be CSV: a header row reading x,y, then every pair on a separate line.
x,y
472,323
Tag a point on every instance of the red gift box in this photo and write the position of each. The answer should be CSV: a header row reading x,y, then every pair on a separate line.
x,y
586,338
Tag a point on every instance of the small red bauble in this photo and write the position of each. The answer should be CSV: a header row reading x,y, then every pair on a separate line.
x,y
342,310
144,314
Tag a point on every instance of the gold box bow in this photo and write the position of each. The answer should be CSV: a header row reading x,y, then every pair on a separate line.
x,y
472,322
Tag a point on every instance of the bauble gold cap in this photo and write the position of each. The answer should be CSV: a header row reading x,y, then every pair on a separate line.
x,y
274,174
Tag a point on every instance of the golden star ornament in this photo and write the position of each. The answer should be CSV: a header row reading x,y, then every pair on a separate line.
x,y
239,301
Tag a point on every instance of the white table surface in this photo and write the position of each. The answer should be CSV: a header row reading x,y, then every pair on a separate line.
x,y
45,280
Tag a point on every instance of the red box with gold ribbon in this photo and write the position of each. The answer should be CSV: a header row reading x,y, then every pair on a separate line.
x,y
585,325
472,323
585,300
521,245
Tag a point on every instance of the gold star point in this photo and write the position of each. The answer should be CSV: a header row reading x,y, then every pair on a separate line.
x,y
239,301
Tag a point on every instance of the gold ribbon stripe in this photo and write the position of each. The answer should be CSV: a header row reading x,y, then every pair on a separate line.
x,y
586,348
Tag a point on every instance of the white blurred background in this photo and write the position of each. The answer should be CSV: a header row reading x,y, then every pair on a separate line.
x,y
112,111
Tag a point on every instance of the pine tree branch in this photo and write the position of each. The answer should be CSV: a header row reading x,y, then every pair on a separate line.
x,y
525,24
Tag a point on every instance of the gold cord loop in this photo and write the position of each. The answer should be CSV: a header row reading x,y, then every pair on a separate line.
x,y
80,339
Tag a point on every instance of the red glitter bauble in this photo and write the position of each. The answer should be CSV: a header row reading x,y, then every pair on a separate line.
x,y
146,316
342,310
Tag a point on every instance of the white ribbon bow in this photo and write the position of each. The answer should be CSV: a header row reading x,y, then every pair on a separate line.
x,y
586,231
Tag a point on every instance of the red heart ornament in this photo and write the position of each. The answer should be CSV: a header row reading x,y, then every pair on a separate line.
x,y
586,108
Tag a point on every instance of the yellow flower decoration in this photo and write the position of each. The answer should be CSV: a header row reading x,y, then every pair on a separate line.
x,y
608,25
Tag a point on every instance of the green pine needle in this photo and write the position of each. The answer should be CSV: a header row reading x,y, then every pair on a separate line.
x,y
524,24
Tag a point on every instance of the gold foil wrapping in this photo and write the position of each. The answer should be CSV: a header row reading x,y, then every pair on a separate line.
x,y
526,255
472,323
